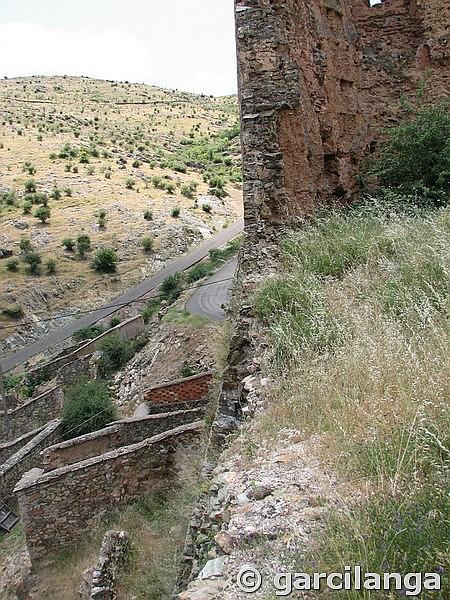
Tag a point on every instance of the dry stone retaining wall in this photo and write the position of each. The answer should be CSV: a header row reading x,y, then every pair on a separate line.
x,y
25,459
31,415
58,507
121,433
9,448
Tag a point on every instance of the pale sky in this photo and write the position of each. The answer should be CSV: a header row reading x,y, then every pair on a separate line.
x,y
184,44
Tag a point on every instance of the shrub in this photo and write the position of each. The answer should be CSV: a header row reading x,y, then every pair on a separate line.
x,y
105,261
114,322
12,264
83,245
152,307
30,186
25,244
56,194
175,212
26,207
29,168
130,183
170,188
188,189
8,198
207,208
416,155
68,191
147,244
15,311
172,287
148,215
116,352
50,266
136,164
108,174
87,407
75,169
90,170
89,333
33,260
69,244
43,213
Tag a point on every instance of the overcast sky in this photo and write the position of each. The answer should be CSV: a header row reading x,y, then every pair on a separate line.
x,y
183,44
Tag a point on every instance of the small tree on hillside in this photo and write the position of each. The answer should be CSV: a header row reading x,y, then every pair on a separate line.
x,y
83,245
105,261
43,213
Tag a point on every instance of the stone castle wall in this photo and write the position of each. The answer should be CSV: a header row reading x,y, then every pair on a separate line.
x,y
59,506
318,81
122,433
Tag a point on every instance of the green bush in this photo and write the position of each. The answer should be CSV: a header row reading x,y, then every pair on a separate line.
x,y
15,311
188,189
148,215
12,264
25,244
56,193
83,245
87,407
69,244
116,352
130,183
43,213
170,188
50,266
33,260
175,212
207,208
89,333
152,307
30,186
26,207
147,244
172,287
105,261
416,155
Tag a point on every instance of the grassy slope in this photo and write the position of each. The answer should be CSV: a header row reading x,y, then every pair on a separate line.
x,y
87,113
358,320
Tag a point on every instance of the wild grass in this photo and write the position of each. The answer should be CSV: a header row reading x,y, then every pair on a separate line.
x,y
358,322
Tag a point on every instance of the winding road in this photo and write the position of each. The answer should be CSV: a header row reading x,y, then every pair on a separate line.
x,y
133,294
208,300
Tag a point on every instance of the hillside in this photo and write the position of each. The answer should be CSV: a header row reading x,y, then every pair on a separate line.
x,y
145,171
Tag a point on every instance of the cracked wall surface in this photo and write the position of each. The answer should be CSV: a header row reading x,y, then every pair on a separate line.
x,y
318,81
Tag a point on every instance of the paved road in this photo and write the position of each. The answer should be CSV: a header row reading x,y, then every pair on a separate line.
x,y
207,301
131,295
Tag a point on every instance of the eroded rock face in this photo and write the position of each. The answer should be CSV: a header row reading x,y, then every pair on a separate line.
x,y
318,80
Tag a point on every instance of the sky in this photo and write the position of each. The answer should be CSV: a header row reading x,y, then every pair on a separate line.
x,y
179,44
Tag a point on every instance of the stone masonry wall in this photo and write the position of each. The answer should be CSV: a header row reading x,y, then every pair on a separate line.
x,y
58,507
25,459
318,80
188,389
31,415
7,449
122,433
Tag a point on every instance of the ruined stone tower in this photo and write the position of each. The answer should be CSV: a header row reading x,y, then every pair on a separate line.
x,y
318,81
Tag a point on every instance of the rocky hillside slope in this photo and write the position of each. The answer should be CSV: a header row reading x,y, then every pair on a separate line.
x,y
145,171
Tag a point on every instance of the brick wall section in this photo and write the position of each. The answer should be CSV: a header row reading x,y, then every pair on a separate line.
x,y
31,415
122,433
189,389
25,459
9,448
58,507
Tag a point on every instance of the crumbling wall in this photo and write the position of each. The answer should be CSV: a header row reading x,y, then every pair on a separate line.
x,y
318,80
58,507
